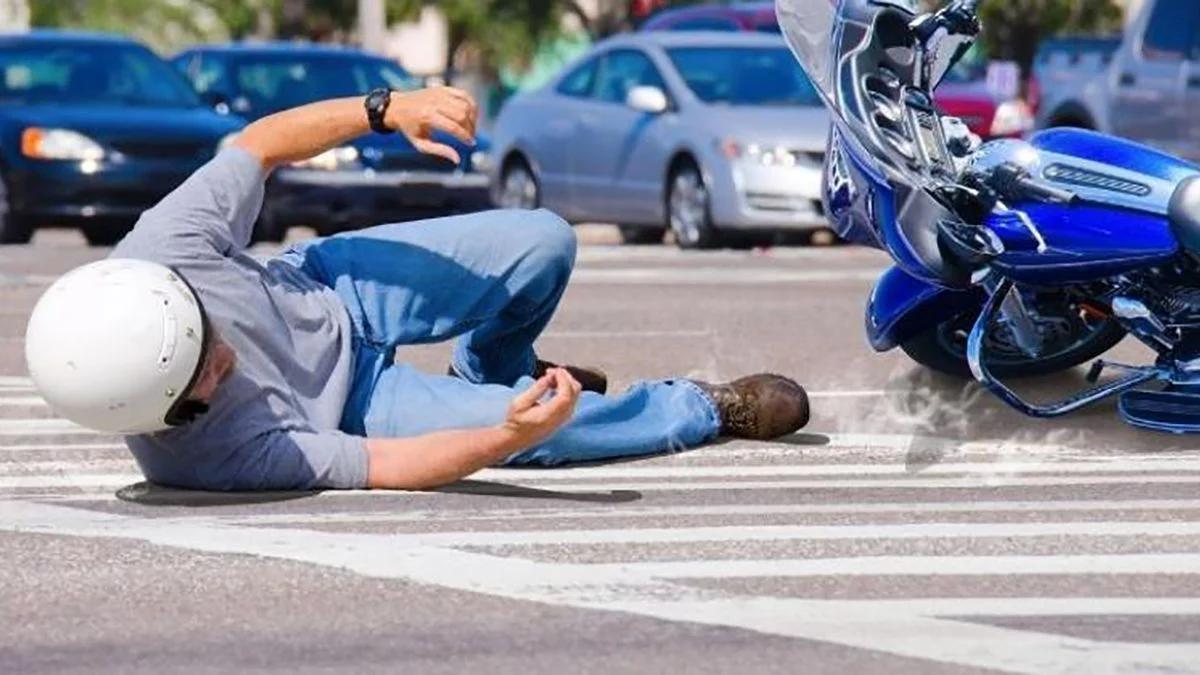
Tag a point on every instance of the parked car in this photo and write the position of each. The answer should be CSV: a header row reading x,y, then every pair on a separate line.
x,y
94,130
1067,67
1147,91
964,93
368,181
747,16
705,133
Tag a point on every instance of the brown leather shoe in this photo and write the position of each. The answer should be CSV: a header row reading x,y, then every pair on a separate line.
x,y
592,379
759,407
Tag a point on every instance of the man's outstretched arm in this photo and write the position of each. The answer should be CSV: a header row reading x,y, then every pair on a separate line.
x,y
305,132
438,459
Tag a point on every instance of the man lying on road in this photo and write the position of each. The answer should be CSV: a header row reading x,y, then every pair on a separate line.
x,y
227,373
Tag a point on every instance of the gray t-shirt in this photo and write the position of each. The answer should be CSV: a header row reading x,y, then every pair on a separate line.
x,y
274,424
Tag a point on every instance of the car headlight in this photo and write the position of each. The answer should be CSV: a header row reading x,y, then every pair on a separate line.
x,y
481,161
345,157
1013,118
59,144
762,154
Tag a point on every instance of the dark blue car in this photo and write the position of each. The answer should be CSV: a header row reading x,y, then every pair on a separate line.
x,y
372,180
93,131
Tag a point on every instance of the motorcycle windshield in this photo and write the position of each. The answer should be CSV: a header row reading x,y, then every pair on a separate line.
x,y
811,27
808,26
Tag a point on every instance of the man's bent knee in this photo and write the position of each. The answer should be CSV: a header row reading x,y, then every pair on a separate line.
x,y
551,240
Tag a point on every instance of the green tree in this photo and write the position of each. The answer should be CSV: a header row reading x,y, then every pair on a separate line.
x,y
160,22
1013,29
498,33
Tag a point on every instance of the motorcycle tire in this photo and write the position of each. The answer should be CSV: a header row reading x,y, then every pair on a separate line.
x,y
931,350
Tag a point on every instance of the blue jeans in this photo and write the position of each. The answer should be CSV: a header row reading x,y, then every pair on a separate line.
x,y
493,280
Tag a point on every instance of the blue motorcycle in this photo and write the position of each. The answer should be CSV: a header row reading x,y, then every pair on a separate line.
x,y
1013,258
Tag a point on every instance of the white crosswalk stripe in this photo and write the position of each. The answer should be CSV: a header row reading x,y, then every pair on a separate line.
x,y
649,553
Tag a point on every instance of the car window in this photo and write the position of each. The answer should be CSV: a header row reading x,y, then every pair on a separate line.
x,y
278,82
707,23
1172,30
116,74
205,73
622,71
744,76
580,82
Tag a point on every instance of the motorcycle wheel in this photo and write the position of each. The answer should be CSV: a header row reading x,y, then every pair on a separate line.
x,y
1075,338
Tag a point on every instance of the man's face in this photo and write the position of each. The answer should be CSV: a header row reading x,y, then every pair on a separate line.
x,y
217,368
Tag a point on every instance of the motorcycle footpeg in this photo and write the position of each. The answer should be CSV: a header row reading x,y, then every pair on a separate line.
x,y
1170,411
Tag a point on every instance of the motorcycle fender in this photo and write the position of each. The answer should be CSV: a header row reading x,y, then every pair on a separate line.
x,y
902,306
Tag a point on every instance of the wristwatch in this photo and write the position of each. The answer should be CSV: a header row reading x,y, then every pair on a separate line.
x,y
377,106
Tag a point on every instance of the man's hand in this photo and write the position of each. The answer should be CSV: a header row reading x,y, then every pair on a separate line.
x,y
441,458
531,421
419,114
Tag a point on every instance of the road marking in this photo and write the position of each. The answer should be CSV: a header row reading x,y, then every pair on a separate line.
x,y
972,483
622,334
625,472
981,469
42,427
68,467
907,627
22,401
922,566
760,533
716,276
14,449
667,512
594,253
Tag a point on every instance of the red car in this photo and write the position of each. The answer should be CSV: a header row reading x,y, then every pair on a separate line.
x,y
964,93
745,16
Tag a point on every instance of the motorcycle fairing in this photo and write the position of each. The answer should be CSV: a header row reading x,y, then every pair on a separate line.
x,y
901,306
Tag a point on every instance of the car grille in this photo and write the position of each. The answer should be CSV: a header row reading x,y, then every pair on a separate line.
x,y
415,162
165,149
781,203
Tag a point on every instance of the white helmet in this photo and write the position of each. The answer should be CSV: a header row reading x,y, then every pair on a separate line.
x,y
116,346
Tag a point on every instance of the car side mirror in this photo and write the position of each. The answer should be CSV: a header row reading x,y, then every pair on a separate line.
x,y
216,100
651,100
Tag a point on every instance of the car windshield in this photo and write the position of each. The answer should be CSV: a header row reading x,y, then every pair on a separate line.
x,y
278,83
744,76
92,73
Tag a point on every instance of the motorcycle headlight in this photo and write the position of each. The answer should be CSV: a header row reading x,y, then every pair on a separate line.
x,y
1013,118
345,157
763,154
59,144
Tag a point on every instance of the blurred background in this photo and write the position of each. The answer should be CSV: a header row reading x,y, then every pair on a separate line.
x,y
675,121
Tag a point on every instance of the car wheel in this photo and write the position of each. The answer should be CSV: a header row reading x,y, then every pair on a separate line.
x,y
688,209
269,229
518,187
13,229
637,234
105,233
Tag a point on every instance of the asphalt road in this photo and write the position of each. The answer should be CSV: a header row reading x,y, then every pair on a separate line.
x,y
917,526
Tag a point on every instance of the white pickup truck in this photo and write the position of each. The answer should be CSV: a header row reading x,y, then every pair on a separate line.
x,y
1145,87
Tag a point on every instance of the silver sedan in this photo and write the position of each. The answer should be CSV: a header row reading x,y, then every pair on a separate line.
x,y
704,133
